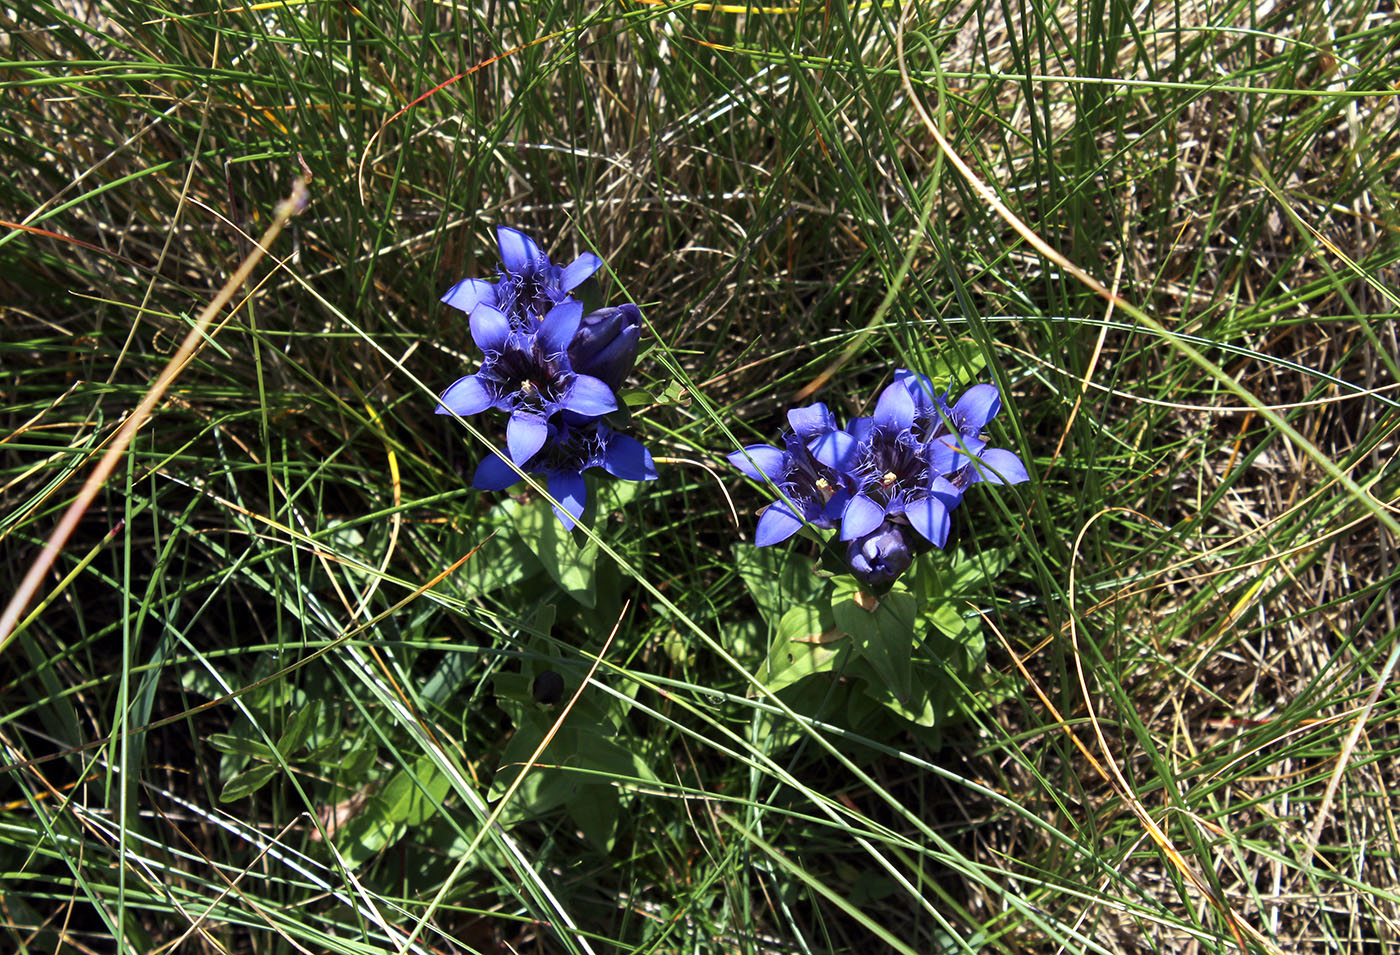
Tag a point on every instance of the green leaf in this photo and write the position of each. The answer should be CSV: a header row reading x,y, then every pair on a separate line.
x,y
950,623
883,631
201,682
958,361
777,579
408,799
595,810
357,762
447,678
571,770
972,571
240,745
675,394
500,560
248,782
806,643
925,704
632,397
299,729
571,566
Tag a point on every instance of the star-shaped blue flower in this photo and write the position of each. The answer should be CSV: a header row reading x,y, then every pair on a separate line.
x,y
569,451
817,493
891,472
530,285
526,372
933,415
890,481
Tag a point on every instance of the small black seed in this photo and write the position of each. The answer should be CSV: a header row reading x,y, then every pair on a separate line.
x,y
548,687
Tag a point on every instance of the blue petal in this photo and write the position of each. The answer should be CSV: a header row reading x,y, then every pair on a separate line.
x,y
776,525
837,450
999,466
915,383
569,489
812,421
588,396
577,271
950,452
860,429
494,474
490,328
526,433
978,405
761,461
830,515
929,516
559,327
895,409
943,455
518,250
628,459
469,293
862,516
465,396
946,491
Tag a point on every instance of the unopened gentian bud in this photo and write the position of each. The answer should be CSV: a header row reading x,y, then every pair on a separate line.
x,y
606,344
882,555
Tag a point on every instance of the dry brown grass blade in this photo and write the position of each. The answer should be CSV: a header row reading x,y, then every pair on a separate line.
x,y
287,208
1324,809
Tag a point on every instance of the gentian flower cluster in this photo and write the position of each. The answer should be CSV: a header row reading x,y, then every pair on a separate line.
x,y
552,369
890,481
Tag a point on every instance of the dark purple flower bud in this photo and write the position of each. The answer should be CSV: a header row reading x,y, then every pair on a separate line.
x,y
605,345
879,557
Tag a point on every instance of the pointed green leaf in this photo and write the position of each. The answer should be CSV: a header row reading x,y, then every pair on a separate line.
x,y
807,642
248,782
240,745
571,566
500,560
410,798
299,729
883,632
776,578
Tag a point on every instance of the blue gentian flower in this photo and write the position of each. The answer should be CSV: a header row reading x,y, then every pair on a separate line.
x,y
932,414
606,344
890,481
955,446
529,286
526,372
892,474
567,453
817,492
965,461
882,555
